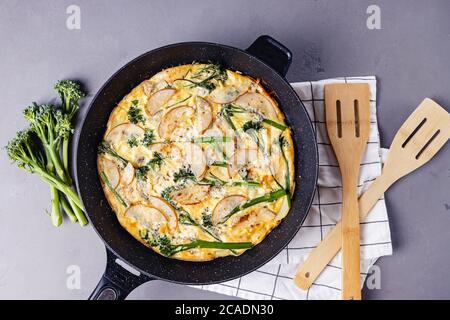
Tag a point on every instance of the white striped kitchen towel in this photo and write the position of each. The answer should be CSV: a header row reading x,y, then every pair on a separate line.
x,y
274,280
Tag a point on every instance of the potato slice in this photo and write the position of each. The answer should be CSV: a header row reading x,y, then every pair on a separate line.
x,y
118,139
284,209
224,207
204,116
111,171
252,100
130,192
190,195
174,118
150,86
168,211
224,148
174,73
244,158
195,157
146,216
121,133
158,100
127,174
278,168
265,214
224,94
253,218
214,131
253,226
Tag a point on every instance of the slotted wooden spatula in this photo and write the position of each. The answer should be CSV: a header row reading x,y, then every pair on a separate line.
x,y
420,137
347,113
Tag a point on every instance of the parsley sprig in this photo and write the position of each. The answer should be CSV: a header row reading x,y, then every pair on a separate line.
x,y
135,113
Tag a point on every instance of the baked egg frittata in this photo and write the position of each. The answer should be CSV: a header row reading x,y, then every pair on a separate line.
x,y
197,162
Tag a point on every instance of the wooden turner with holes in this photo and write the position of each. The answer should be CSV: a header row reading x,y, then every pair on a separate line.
x,y
347,113
420,137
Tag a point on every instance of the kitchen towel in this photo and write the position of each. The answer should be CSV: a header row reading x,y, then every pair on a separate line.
x,y
274,280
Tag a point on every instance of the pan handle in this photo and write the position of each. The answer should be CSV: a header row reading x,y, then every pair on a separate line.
x,y
116,282
271,52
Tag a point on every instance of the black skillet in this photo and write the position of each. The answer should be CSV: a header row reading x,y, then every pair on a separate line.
x,y
265,59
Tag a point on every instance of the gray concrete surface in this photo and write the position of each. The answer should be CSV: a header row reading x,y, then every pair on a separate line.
x,y
409,55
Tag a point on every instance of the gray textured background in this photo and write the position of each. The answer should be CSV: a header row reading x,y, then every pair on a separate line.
x,y
409,55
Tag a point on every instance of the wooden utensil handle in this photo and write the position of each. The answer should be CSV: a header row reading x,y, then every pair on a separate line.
x,y
351,289
319,258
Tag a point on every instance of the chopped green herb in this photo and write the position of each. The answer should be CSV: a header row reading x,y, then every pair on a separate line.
x,y
133,141
135,114
149,137
252,128
156,161
184,174
165,194
206,218
252,125
141,172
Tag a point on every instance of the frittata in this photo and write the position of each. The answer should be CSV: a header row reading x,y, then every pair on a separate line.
x,y
197,162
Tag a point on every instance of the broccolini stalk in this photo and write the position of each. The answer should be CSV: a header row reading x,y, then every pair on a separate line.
x,y
183,216
55,213
211,140
105,148
228,110
211,74
167,248
23,151
268,197
51,126
70,93
68,210
214,180
287,177
43,120
252,128
113,191
274,124
222,164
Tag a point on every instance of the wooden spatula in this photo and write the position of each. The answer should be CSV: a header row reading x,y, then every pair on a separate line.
x,y
422,135
347,113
